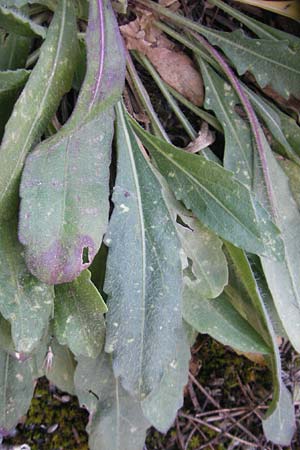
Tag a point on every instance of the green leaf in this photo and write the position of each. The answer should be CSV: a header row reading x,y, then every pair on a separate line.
x,y
284,129
204,249
243,293
283,277
15,21
272,63
61,372
14,50
160,406
17,3
118,422
221,98
6,342
143,275
11,81
78,316
218,318
292,170
49,80
65,184
16,390
24,301
215,197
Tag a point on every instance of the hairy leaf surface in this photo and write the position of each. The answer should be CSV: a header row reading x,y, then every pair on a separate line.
x,y
215,197
16,390
160,406
143,278
78,316
25,301
49,80
118,422
65,184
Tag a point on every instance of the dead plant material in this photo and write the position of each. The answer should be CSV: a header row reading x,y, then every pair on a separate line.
x,y
205,138
175,67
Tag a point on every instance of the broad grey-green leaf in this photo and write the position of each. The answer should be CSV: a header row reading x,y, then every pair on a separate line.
x,y
245,296
62,367
65,184
24,301
215,197
160,406
272,63
218,318
118,422
16,3
14,50
11,81
16,389
49,80
221,98
78,316
283,277
14,21
143,275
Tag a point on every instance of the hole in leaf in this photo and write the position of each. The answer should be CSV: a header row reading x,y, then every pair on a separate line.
x,y
85,255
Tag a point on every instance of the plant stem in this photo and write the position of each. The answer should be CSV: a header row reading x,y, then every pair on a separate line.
x,y
171,101
158,129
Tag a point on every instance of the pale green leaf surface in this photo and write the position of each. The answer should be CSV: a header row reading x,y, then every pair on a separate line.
x,y
218,318
118,422
65,183
16,22
78,316
16,390
143,277
24,301
215,197
283,277
16,3
160,406
272,63
221,98
61,372
49,80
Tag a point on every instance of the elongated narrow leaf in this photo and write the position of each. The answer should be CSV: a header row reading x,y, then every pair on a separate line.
x,y
49,80
14,21
283,128
143,275
118,422
218,318
244,295
65,184
272,63
160,406
221,98
11,81
24,301
292,171
78,316
16,390
215,197
283,277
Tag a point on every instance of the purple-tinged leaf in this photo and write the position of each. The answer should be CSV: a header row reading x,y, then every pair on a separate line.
x,y
65,184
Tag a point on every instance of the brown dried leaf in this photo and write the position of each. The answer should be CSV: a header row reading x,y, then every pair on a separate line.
x,y
174,66
205,138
